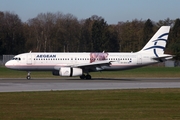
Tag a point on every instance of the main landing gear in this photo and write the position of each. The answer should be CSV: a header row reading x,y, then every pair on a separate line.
x,y
85,76
28,75
88,77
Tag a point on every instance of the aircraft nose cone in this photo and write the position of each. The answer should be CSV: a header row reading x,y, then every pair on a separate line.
x,y
11,64
8,64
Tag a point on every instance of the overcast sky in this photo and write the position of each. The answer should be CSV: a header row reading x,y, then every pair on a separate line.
x,y
111,10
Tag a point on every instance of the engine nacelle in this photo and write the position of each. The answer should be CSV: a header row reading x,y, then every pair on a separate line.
x,y
68,71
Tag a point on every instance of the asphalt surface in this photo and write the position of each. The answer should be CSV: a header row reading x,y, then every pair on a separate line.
x,y
19,85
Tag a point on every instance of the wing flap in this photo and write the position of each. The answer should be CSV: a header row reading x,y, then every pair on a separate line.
x,y
94,64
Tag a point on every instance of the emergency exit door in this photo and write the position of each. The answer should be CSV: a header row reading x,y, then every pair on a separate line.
x,y
29,59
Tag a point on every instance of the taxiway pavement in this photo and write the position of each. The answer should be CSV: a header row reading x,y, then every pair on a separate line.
x,y
19,85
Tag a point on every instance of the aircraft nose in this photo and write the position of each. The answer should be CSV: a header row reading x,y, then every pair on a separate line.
x,y
8,64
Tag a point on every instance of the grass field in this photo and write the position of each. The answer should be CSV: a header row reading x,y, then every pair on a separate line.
x,y
139,72
148,104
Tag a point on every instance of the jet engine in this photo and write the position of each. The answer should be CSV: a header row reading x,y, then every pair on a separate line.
x,y
68,72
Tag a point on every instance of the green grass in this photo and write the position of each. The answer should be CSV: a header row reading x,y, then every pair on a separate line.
x,y
149,104
139,72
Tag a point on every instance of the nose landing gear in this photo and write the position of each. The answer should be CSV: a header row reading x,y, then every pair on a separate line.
x,y
28,76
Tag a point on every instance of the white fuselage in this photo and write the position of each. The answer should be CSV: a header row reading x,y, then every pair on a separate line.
x,y
54,61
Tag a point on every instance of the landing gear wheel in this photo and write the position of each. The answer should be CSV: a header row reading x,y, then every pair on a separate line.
x,y
88,77
82,76
28,77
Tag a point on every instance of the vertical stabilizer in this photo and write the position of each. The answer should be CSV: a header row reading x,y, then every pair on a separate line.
x,y
157,43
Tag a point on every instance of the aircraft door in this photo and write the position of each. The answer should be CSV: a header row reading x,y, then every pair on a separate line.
x,y
29,59
139,59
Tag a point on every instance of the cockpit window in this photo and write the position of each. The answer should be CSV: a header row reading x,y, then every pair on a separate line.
x,y
16,58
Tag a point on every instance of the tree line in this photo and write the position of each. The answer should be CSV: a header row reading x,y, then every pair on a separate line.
x,y
58,32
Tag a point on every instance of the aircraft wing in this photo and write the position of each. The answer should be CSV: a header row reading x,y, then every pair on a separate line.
x,y
91,66
94,64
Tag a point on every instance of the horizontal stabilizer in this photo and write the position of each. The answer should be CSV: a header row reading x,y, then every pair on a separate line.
x,y
163,58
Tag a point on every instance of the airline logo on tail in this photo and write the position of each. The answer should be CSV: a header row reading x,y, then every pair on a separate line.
x,y
157,43
155,47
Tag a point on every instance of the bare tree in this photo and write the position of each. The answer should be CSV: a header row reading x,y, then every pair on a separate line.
x,y
12,38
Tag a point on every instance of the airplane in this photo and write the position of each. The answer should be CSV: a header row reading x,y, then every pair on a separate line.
x,y
81,64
